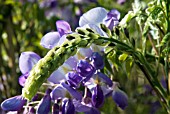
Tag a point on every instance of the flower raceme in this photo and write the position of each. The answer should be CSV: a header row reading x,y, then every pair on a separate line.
x,y
79,84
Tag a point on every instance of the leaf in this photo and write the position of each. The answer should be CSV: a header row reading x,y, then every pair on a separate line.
x,y
127,18
123,57
165,39
155,12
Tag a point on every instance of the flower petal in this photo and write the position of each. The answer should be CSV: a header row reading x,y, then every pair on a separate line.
x,y
13,104
105,78
61,40
73,79
85,69
68,107
71,62
93,111
27,60
56,76
23,78
72,91
93,16
63,27
50,40
120,98
93,27
58,92
45,104
97,60
80,107
97,96
83,53
112,19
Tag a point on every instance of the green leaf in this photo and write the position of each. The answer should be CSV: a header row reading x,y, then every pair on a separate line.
x,y
128,17
123,57
165,39
155,12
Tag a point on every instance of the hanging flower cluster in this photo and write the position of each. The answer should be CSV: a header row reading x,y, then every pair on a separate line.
x,y
78,85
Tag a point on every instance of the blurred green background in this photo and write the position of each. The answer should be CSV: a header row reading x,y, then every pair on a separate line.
x,y
24,22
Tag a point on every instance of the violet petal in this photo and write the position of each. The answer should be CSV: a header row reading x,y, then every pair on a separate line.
x,y
97,96
85,69
63,27
68,107
105,78
13,104
93,111
58,92
45,104
23,78
72,91
120,98
73,79
80,107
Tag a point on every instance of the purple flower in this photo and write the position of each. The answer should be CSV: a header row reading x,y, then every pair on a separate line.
x,y
23,78
112,19
99,15
85,69
97,96
26,62
97,60
63,27
81,106
68,107
58,93
45,103
93,16
93,110
73,79
53,39
50,40
13,104
105,78
120,98
73,92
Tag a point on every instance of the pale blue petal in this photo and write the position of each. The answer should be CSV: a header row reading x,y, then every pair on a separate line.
x,y
50,40
93,27
82,53
27,60
93,16
56,76
58,93
61,40
71,62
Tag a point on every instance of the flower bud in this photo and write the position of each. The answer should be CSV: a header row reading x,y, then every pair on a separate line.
x,y
97,60
13,104
120,98
45,104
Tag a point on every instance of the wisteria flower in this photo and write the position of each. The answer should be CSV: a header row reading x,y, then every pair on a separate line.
x,y
26,62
